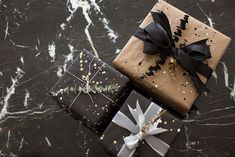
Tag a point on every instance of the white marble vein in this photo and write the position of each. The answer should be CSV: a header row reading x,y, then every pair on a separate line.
x,y
48,142
6,29
226,81
210,20
21,144
87,6
18,45
22,60
111,33
51,50
10,91
8,138
26,98
68,58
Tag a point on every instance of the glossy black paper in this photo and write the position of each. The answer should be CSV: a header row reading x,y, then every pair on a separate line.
x,y
38,36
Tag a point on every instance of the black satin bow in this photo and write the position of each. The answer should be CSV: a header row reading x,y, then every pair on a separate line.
x,y
157,38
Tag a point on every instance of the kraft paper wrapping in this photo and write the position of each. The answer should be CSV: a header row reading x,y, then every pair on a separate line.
x,y
173,88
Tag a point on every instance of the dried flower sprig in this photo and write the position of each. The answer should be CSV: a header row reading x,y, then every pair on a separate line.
x,y
112,88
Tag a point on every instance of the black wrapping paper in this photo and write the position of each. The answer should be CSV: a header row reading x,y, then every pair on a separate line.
x,y
90,90
112,138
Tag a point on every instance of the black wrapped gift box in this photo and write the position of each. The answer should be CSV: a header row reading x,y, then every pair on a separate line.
x,y
112,138
91,90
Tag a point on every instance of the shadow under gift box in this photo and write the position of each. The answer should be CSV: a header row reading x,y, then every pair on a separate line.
x,y
91,90
171,87
112,138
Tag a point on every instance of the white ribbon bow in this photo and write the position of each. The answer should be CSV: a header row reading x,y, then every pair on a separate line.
x,y
131,142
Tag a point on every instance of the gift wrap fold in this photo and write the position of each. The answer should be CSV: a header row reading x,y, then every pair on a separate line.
x,y
140,128
171,56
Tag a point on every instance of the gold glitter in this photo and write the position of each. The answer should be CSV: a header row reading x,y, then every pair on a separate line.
x,y
81,53
164,72
84,77
183,92
156,85
165,122
114,142
171,129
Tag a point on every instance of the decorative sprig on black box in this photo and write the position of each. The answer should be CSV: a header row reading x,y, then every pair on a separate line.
x,y
90,90
140,128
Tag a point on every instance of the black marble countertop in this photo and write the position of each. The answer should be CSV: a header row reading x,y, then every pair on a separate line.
x,y
40,38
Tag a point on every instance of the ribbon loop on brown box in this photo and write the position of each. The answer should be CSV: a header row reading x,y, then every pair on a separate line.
x,y
157,38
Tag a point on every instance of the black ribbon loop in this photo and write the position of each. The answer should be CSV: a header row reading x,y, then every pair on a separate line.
x,y
157,38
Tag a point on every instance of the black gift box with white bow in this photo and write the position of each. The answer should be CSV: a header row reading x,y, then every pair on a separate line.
x,y
140,128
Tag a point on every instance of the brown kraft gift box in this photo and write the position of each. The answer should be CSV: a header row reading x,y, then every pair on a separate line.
x,y
174,89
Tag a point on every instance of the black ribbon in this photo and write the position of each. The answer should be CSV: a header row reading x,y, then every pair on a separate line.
x,y
157,38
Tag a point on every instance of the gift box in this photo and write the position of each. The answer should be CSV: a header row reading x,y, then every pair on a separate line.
x,y
140,128
171,56
91,90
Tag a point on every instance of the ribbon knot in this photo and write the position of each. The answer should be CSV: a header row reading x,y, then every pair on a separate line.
x,y
157,38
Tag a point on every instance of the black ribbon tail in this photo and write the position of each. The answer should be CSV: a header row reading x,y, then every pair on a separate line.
x,y
200,86
204,69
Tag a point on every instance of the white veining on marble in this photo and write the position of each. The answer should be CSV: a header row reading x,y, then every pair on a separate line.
x,y
22,60
51,50
112,35
21,144
9,92
117,51
210,20
48,142
68,58
26,98
226,81
8,138
87,6
6,29
72,6
18,45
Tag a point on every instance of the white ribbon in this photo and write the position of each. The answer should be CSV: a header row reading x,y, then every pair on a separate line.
x,y
131,142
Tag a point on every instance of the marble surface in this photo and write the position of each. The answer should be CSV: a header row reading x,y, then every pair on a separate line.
x,y
40,38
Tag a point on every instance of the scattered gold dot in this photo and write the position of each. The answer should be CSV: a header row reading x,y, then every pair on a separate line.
x,y
173,121
183,92
164,72
171,129
165,122
178,130
114,142
156,85
186,82
98,114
